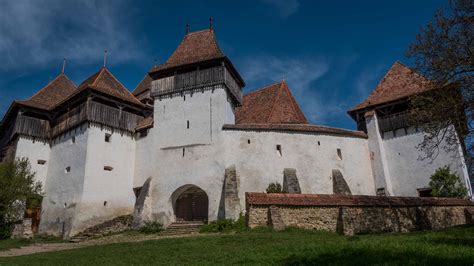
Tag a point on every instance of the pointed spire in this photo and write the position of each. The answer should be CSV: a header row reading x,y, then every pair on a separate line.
x,y
187,28
105,58
210,23
64,65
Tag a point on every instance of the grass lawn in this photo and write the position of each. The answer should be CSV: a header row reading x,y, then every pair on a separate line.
x,y
454,246
16,243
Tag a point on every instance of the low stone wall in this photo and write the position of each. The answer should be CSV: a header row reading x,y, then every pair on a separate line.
x,y
356,214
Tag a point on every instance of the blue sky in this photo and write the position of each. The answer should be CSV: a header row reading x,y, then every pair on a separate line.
x,y
331,53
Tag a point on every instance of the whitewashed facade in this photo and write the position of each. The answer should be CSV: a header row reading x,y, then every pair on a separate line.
x,y
199,159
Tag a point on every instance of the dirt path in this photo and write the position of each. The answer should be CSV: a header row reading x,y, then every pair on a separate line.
x,y
49,247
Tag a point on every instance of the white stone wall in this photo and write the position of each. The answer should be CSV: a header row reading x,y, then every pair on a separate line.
x,y
106,194
407,171
34,150
203,162
63,191
143,158
258,164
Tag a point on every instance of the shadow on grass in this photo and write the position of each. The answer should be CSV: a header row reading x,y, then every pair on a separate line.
x,y
356,256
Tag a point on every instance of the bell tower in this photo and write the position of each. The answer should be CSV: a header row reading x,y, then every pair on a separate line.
x,y
195,91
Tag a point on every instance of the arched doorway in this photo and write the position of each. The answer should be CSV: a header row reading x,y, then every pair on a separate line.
x,y
190,203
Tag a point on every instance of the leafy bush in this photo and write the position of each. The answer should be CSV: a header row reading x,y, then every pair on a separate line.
x,y
446,184
225,225
151,227
6,230
274,188
18,188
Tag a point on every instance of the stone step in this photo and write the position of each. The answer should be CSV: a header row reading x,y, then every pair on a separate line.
x,y
182,228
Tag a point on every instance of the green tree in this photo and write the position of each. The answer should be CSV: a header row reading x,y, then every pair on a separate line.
x,y
18,188
444,53
446,184
274,188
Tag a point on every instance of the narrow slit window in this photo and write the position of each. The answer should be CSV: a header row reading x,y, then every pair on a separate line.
x,y
319,143
68,169
108,168
41,162
339,154
187,124
278,148
184,150
73,139
143,133
248,141
108,137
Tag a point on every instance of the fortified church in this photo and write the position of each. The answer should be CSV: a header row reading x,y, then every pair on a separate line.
x,y
186,145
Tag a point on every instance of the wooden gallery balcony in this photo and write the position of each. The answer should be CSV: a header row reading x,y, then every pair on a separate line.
x,y
92,112
395,121
196,80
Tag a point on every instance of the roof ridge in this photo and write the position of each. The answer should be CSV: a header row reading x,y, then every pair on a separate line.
x,y
47,85
274,102
198,31
293,101
121,84
101,71
263,88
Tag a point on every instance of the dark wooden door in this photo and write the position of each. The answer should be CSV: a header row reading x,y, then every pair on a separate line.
x,y
192,207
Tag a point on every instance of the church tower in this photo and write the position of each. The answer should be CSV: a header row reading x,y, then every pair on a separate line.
x,y
194,94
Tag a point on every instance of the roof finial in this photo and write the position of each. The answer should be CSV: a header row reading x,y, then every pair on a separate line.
x,y
187,28
210,23
105,58
64,65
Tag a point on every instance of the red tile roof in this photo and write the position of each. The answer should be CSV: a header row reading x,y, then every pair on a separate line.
x,y
271,104
144,85
281,199
103,81
399,82
303,128
145,123
195,47
49,96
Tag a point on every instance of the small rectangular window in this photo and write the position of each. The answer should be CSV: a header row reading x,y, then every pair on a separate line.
x,y
187,124
339,154
184,150
108,168
42,162
424,192
381,191
143,133
68,169
108,137
248,141
278,148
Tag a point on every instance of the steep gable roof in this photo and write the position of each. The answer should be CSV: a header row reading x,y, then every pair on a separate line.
x,y
49,96
272,104
144,85
105,82
195,47
399,82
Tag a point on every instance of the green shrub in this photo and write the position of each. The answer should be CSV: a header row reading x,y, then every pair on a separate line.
x,y
151,227
6,230
446,184
274,188
225,225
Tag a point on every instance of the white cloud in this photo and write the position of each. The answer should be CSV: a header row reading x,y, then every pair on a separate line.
x,y
38,32
285,8
299,73
367,80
